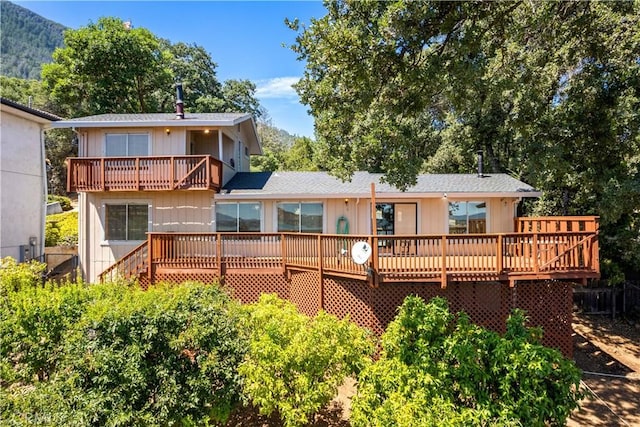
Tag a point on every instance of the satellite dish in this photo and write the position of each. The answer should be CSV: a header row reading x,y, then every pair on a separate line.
x,y
360,252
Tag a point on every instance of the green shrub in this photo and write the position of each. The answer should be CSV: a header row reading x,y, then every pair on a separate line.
x,y
436,369
15,276
116,355
296,363
65,202
62,229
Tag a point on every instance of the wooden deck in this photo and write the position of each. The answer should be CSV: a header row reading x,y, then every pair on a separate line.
x,y
155,173
533,254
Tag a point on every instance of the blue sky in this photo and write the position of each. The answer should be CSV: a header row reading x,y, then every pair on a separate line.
x,y
245,39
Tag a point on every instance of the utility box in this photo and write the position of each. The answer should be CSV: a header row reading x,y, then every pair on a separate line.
x,y
25,253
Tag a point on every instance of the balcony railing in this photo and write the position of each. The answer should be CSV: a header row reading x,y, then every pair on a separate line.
x,y
528,255
157,173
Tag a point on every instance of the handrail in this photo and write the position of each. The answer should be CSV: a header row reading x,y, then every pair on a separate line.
x,y
129,265
149,173
502,256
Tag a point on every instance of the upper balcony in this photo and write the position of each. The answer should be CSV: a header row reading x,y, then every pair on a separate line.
x,y
149,173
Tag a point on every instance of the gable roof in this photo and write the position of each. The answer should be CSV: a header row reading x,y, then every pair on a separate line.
x,y
278,185
39,115
133,120
156,119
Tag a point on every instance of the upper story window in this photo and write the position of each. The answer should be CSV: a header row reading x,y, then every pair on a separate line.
x,y
467,217
302,217
238,217
126,221
126,144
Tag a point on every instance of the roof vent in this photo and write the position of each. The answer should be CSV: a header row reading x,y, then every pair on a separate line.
x,y
179,103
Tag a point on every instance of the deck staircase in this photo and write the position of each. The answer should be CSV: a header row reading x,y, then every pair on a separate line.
x,y
134,265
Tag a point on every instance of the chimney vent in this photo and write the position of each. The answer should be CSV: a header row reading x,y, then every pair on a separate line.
x,y
480,164
179,103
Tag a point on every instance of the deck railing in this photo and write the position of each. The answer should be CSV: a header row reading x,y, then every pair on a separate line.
x,y
505,256
155,173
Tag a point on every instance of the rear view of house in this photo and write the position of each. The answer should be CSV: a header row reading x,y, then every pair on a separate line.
x,y
171,197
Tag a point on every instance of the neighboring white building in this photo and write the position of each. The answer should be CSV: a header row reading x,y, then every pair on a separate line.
x,y
23,179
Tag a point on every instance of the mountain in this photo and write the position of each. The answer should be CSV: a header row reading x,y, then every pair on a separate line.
x,y
27,40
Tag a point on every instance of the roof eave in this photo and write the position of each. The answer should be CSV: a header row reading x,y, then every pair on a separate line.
x,y
379,195
138,123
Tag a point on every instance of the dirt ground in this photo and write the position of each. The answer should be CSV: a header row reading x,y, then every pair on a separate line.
x,y
607,351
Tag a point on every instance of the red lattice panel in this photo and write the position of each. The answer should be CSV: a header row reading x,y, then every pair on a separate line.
x,y
389,296
344,297
247,288
305,291
177,278
486,303
548,304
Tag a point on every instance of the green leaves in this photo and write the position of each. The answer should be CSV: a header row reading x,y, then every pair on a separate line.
x,y
295,363
549,90
120,356
435,369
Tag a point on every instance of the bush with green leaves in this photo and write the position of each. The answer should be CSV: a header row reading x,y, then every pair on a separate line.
x,y
65,202
296,363
119,355
61,229
439,369
15,276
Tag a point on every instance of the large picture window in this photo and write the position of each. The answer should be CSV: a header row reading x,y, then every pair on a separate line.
x,y
238,217
126,221
302,217
467,217
126,144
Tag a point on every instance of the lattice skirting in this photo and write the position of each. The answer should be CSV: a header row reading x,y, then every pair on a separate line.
x,y
547,304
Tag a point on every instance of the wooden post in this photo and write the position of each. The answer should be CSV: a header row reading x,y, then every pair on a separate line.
x,y
320,272
535,253
374,239
443,277
499,265
137,173
219,254
102,186
283,252
172,167
150,250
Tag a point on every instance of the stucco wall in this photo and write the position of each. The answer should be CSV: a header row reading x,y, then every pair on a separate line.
x,y
21,184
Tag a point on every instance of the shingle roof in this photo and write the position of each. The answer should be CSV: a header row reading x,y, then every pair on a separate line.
x,y
156,119
321,184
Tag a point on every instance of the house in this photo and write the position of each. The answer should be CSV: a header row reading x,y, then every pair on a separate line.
x,y
23,180
171,197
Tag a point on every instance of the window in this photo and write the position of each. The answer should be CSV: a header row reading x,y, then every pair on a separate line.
x,y
467,217
126,221
126,144
238,217
304,217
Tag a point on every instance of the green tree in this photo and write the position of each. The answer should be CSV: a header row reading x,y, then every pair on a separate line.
x,y
548,90
439,369
239,96
192,65
108,67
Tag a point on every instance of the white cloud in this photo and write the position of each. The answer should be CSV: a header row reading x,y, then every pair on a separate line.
x,y
279,87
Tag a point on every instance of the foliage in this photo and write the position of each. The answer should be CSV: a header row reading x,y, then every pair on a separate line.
x,y
119,355
15,276
295,363
65,202
27,41
284,152
61,229
404,87
85,83
435,369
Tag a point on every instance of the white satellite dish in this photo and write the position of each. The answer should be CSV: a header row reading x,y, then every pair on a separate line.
x,y
360,252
